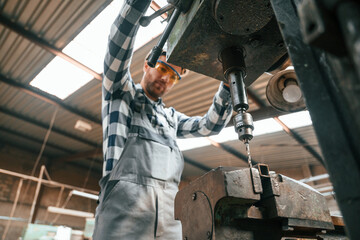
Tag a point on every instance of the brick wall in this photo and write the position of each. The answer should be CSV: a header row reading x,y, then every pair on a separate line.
x,y
22,162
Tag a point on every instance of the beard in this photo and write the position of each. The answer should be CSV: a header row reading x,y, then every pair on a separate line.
x,y
155,89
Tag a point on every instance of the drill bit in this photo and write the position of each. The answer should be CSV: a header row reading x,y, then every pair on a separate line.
x,y
247,145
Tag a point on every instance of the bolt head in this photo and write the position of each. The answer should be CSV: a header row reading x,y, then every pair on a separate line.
x,y
193,197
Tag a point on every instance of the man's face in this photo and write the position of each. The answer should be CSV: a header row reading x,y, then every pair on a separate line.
x,y
156,84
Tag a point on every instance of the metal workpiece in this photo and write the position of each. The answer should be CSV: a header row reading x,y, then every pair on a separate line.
x,y
252,204
195,204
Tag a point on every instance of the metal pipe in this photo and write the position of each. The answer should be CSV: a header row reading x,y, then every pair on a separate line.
x,y
63,206
197,164
315,178
70,212
38,186
13,209
44,181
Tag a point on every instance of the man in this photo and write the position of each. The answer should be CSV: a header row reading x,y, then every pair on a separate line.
x,y
143,164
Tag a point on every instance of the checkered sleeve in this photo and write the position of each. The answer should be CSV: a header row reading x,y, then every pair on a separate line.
x,y
120,46
118,89
212,122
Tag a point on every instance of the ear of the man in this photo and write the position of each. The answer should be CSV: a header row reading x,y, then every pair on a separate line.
x,y
146,66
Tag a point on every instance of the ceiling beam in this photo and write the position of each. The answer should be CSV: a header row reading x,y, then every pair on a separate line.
x,y
300,140
32,37
156,7
232,151
24,148
87,154
266,112
47,157
46,126
35,139
197,164
51,99
289,131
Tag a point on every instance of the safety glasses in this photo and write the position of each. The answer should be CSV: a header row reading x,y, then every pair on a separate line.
x,y
166,69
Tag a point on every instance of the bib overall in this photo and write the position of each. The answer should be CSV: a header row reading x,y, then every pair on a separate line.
x,y
137,196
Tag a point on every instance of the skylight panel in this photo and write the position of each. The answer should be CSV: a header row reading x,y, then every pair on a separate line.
x,y
261,127
89,46
61,78
296,120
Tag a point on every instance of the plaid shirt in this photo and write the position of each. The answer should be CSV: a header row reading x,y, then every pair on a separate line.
x,y
119,90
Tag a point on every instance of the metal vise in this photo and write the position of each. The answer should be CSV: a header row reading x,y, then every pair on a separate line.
x,y
252,204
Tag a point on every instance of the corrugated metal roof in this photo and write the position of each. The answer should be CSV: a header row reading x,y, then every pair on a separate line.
x,y
58,22
278,150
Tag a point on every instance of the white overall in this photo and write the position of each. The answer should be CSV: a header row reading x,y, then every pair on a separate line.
x,y
137,197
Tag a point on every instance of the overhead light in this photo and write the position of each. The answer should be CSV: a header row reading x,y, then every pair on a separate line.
x,y
70,212
292,92
84,194
283,92
82,126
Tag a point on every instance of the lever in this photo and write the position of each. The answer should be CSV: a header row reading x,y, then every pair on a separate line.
x,y
157,50
180,6
145,20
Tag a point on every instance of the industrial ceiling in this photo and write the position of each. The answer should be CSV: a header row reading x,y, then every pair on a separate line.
x,y
33,32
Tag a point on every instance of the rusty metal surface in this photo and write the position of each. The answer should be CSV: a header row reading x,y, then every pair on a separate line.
x,y
197,40
299,201
195,205
256,180
202,224
223,204
242,17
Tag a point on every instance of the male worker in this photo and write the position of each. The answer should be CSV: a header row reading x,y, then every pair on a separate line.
x,y
143,164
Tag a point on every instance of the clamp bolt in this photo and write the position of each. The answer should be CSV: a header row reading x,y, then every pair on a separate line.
x,y
194,196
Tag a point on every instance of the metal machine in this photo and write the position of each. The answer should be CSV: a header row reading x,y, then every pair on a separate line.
x,y
253,204
236,41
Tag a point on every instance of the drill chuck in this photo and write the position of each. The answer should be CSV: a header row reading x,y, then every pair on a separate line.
x,y
243,124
